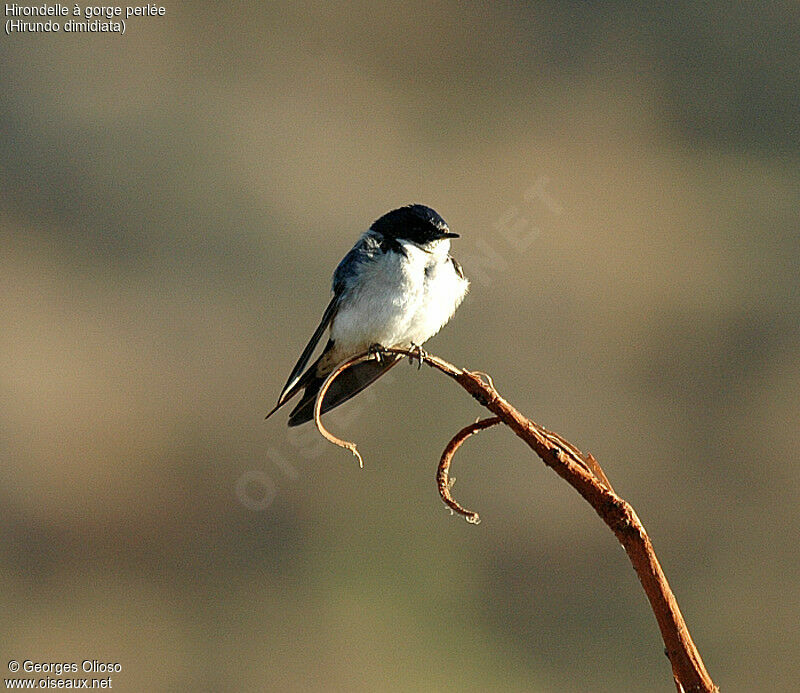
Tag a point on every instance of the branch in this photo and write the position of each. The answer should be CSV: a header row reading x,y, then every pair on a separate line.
x,y
442,479
585,475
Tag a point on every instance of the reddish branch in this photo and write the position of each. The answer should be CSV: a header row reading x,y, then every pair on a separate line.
x,y
585,475
442,478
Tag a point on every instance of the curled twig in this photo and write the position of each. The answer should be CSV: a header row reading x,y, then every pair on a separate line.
x,y
443,470
347,445
417,353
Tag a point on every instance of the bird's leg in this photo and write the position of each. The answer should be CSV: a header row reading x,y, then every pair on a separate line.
x,y
377,352
417,352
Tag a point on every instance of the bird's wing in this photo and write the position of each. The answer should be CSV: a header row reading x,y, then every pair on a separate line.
x,y
348,384
292,384
366,249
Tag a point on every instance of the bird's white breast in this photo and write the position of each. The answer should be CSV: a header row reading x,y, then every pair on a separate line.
x,y
400,300
444,289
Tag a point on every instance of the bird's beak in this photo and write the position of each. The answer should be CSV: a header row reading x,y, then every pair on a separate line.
x,y
450,235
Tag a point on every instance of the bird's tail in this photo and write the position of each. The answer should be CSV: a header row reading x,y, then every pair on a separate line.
x,y
348,384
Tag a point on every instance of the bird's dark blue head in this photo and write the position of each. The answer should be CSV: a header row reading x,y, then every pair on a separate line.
x,y
416,223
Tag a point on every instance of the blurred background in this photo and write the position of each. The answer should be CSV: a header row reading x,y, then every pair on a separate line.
x,y
172,205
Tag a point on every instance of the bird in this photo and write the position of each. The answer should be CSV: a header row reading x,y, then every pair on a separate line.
x,y
397,287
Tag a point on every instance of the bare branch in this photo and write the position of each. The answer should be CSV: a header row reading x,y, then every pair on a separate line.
x,y
347,445
443,470
585,475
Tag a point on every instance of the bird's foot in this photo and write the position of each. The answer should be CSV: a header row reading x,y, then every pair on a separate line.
x,y
418,353
377,351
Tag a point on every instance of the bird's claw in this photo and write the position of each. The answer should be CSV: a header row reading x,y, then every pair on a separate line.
x,y
418,353
377,352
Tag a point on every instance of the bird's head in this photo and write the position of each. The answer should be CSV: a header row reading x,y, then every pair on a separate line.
x,y
416,223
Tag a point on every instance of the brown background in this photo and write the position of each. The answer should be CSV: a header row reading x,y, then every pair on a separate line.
x,y
172,204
